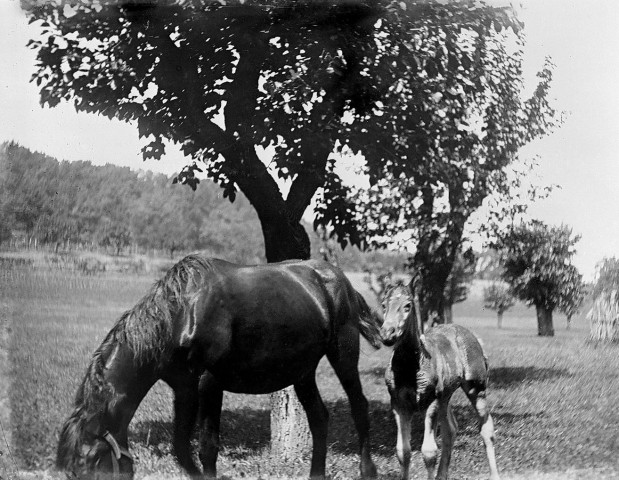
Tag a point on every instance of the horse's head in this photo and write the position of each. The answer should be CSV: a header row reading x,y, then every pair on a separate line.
x,y
92,454
399,310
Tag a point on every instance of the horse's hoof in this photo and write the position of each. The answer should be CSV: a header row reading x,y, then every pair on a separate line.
x,y
369,471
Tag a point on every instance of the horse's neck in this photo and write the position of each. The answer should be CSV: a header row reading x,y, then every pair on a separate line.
x,y
123,383
407,357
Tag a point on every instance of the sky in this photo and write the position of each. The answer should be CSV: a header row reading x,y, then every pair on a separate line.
x,y
582,38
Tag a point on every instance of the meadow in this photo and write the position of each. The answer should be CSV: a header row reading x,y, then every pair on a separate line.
x,y
553,399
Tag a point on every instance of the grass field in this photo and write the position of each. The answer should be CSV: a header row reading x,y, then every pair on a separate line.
x,y
553,399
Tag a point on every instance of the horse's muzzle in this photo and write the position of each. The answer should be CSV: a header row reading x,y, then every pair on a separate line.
x,y
388,336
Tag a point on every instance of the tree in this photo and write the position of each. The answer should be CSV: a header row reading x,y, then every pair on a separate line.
x,y
447,137
458,281
224,80
537,266
497,297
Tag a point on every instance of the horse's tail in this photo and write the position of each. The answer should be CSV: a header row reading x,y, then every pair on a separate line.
x,y
370,322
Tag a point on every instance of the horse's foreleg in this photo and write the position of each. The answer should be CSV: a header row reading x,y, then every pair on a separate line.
x,y
429,449
449,428
211,398
403,418
318,419
477,396
344,361
185,410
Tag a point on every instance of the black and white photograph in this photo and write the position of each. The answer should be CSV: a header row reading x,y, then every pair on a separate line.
x,y
325,239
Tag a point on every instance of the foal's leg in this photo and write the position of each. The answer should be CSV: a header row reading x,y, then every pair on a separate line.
x,y
476,393
185,410
403,417
344,359
449,428
318,419
211,397
429,449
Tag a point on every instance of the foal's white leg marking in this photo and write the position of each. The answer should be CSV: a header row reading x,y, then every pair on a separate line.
x,y
403,447
449,427
487,433
429,449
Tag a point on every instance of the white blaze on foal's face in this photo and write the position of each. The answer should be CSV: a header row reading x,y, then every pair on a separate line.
x,y
397,307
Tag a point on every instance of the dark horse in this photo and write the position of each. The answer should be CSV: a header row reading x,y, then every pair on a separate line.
x,y
210,326
424,372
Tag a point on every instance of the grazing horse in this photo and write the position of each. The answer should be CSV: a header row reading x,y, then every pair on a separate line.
x,y
423,374
210,326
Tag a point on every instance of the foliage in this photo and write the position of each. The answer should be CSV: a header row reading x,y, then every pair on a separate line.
x,y
488,265
497,297
460,277
305,79
447,135
537,265
77,203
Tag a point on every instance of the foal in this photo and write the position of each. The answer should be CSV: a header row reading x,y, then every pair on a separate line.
x,y
423,373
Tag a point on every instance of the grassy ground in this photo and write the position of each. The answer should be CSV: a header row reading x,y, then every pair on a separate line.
x,y
553,398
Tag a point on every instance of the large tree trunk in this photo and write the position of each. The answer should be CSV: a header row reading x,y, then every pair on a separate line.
x,y
290,433
544,321
499,318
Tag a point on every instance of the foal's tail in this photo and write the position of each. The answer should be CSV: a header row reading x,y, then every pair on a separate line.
x,y
370,322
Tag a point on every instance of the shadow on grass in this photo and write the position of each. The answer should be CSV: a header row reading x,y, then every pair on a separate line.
x,y
505,377
245,432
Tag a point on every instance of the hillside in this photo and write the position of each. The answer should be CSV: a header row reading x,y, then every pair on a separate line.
x,y
68,206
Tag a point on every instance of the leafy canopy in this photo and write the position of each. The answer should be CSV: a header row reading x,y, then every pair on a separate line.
x,y
497,297
537,260
305,79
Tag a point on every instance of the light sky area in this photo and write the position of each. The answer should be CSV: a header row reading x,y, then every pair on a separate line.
x,y
582,38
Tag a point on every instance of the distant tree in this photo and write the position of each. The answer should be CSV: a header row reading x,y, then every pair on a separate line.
x,y
537,266
497,297
458,281
5,229
115,236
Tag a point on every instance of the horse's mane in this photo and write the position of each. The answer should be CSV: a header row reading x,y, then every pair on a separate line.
x,y
146,330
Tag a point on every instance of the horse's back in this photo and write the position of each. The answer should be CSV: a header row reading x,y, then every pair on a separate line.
x,y
458,353
259,328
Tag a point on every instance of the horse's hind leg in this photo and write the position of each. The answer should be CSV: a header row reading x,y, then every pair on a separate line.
x,y
344,360
476,393
449,428
318,419
185,411
211,398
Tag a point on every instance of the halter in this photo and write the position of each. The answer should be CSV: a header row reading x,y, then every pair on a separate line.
x,y
118,451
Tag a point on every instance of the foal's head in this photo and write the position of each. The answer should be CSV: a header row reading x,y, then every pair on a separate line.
x,y
399,313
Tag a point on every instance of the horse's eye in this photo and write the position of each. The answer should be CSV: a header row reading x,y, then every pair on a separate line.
x,y
406,307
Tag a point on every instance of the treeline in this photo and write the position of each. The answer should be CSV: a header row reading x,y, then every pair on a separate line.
x,y
64,205
68,205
